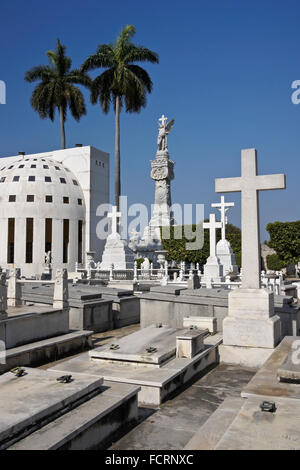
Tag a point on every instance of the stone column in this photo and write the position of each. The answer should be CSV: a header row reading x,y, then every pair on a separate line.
x,y
61,291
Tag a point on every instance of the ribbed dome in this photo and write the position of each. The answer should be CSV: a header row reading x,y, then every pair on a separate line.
x,y
41,187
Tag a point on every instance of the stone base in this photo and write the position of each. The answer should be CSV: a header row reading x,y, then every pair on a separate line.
x,y
226,257
243,356
251,321
213,270
116,252
252,332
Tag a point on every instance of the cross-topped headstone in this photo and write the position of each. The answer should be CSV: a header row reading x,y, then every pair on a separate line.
x,y
249,183
212,225
163,119
114,215
223,208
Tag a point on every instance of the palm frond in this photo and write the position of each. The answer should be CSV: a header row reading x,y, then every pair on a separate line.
x,y
140,54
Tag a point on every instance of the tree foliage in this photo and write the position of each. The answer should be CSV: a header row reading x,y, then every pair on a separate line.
x,y
122,83
285,240
55,88
177,250
274,263
122,77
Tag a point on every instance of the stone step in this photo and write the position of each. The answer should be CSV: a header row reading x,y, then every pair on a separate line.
x,y
89,426
47,350
217,424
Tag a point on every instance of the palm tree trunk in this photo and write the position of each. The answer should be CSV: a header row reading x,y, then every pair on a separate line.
x,y
62,128
117,154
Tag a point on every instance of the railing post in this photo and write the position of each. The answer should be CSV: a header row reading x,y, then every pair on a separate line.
x,y
166,269
111,272
135,273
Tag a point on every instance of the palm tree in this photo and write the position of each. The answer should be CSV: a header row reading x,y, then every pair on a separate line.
x,y
122,83
56,89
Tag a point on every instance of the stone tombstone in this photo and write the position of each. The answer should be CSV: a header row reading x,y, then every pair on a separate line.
x,y
14,291
145,268
223,249
194,282
61,290
213,270
116,251
251,321
3,296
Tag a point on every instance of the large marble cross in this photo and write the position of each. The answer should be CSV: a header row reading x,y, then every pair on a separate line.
x,y
212,225
249,183
223,208
114,215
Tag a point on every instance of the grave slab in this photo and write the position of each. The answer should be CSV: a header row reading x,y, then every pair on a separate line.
x,y
34,398
253,429
289,371
266,383
90,425
133,348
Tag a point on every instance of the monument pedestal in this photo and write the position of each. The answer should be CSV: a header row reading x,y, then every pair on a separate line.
x,y
213,270
116,252
251,331
226,257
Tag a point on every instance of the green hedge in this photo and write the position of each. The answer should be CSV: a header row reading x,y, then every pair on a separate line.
x,y
177,251
285,240
274,262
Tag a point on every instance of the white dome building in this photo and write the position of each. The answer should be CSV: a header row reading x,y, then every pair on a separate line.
x,y
43,208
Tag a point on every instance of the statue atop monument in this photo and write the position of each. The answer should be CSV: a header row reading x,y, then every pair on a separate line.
x,y
162,172
164,130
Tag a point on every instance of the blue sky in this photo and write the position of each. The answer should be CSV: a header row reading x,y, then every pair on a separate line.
x,y
225,75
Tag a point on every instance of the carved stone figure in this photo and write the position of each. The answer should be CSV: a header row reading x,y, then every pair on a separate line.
x,y
48,258
163,130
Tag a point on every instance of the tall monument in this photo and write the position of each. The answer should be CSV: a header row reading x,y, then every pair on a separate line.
x,y
251,330
162,172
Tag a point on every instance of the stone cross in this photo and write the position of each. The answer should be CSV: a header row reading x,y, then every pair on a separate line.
x,y
163,120
114,215
212,225
249,183
223,208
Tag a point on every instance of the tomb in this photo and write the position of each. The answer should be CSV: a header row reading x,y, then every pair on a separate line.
x,y
116,252
147,358
34,334
93,307
171,304
63,413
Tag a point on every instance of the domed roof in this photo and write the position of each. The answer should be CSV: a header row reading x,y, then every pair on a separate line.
x,y
40,187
